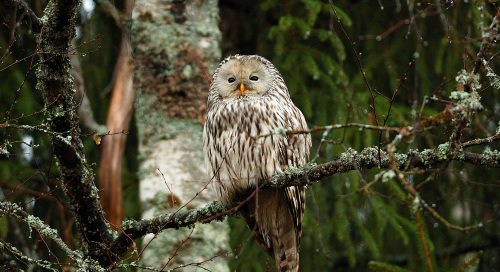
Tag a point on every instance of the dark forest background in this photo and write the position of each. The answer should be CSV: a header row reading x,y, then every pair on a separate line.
x,y
381,63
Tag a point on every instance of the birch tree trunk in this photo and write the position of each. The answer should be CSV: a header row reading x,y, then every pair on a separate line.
x,y
175,48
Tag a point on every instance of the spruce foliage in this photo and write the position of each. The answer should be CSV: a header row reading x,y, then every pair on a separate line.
x,y
400,55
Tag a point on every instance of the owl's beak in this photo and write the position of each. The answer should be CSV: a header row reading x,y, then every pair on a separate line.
x,y
242,88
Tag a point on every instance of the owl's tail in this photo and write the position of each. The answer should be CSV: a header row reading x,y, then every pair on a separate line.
x,y
285,245
273,227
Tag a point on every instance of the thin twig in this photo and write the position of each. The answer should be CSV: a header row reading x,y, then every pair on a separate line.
x,y
424,242
480,141
34,22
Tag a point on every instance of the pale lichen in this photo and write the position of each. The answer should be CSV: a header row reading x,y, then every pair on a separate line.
x,y
426,156
443,150
346,158
37,224
127,224
401,159
386,175
4,149
41,263
494,78
416,203
463,78
395,142
370,156
491,158
469,100
279,131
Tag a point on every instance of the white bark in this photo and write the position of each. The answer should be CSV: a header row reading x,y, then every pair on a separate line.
x,y
180,161
169,41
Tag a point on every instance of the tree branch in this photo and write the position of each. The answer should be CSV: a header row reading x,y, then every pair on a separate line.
x,y
42,228
306,175
490,34
118,119
368,158
56,85
34,22
84,108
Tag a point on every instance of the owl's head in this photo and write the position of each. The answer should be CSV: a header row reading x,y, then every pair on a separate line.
x,y
243,76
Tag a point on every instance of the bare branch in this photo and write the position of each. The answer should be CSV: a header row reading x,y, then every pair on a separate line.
x,y
34,22
84,110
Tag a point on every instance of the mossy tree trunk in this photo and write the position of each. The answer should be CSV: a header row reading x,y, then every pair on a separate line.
x,y
175,49
56,85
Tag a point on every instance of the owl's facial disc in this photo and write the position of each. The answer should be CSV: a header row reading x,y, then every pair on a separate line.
x,y
244,78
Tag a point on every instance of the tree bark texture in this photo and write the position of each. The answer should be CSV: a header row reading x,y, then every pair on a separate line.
x,y
175,49
118,120
56,84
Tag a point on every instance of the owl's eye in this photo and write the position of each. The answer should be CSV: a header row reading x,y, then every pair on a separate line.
x,y
231,80
254,78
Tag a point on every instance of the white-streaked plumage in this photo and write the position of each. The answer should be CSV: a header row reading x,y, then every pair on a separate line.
x,y
247,98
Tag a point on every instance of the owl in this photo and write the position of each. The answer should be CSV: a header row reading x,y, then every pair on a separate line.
x,y
247,98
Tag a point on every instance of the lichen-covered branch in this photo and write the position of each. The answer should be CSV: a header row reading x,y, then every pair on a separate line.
x,y
6,261
43,229
56,84
135,229
369,158
19,255
490,35
348,161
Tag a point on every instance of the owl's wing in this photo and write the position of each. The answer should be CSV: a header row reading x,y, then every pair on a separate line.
x,y
296,200
297,152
